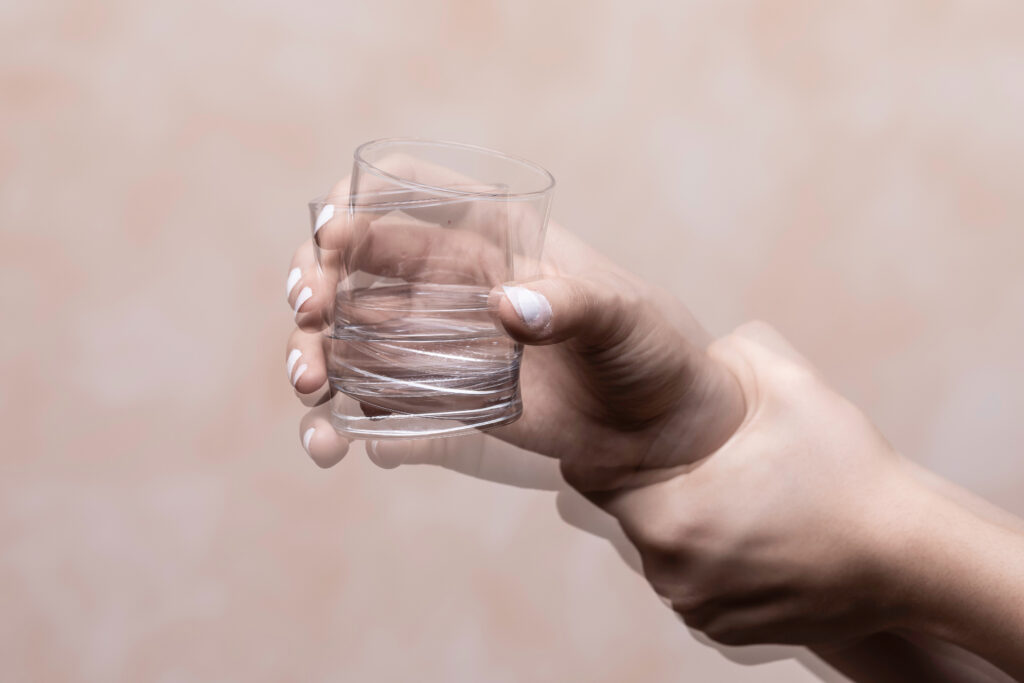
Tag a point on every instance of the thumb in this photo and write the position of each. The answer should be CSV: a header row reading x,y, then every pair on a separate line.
x,y
640,369
596,313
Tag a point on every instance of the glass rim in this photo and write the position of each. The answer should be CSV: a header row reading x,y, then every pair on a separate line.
x,y
381,142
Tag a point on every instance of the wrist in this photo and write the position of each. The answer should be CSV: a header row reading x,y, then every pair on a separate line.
x,y
900,534
924,562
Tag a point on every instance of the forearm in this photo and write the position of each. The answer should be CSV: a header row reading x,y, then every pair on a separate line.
x,y
894,658
964,577
958,569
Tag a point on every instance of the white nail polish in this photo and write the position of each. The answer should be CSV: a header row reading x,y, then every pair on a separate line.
x,y
303,298
298,374
307,437
531,307
293,279
326,214
293,357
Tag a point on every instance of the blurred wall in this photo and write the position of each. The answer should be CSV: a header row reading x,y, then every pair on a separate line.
x,y
850,171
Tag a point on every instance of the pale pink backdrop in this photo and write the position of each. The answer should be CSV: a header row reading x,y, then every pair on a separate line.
x,y
852,172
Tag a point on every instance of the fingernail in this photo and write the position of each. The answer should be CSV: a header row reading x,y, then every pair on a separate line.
x,y
303,298
294,356
298,374
293,279
307,437
531,307
326,214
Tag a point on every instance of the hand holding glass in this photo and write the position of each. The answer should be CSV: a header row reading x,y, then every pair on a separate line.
x,y
425,233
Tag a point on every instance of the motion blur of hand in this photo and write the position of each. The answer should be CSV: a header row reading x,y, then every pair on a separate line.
x,y
616,383
765,507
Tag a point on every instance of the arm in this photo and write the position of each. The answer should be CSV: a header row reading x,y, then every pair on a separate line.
x,y
914,656
958,560
896,658
807,527
766,508
971,576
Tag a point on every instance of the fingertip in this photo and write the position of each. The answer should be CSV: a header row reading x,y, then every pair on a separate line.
x,y
294,275
305,366
324,445
309,377
325,214
386,455
305,294
312,306
332,226
524,313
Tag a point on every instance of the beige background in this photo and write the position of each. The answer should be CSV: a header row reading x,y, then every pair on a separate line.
x,y
850,171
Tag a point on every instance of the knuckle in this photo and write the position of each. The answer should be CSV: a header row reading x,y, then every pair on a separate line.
x,y
660,542
663,573
693,606
670,535
724,634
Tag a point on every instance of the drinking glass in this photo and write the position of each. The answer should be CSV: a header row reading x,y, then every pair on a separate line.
x,y
425,235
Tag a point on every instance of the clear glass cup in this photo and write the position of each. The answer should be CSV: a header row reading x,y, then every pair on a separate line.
x,y
424,235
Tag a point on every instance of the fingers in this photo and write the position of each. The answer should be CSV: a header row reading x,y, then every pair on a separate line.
x,y
310,289
349,208
337,220
751,621
395,243
325,446
334,222
401,247
388,455
305,363
598,313
461,453
476,455
421,221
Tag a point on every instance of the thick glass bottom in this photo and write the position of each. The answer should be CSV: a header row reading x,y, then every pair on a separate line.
x,y
351,419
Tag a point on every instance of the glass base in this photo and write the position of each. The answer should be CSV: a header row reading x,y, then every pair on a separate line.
x,y
352,422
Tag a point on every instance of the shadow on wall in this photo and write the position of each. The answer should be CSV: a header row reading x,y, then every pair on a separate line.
x,y
485,457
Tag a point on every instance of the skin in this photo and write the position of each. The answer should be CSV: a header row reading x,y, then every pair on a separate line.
x,y
765,507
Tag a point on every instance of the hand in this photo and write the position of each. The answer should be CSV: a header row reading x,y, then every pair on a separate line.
x,y
806,527
615,381
796,530
765,507
617,384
